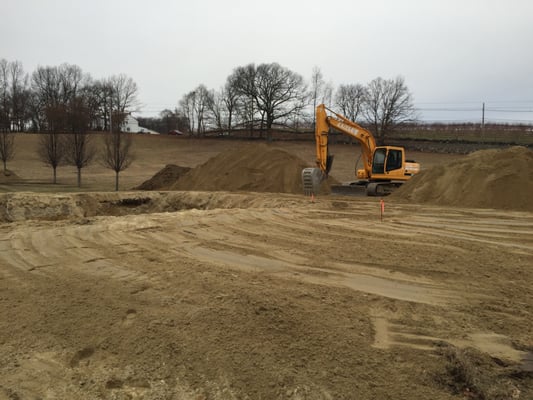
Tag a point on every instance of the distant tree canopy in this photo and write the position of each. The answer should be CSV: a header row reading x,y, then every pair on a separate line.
x,y
27,101
255,98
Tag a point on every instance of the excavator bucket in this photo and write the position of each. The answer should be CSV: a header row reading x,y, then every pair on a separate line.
x,y
311,179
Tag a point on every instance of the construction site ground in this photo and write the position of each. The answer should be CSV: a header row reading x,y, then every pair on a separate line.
x,y
252,295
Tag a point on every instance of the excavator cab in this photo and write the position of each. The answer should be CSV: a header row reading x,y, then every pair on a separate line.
x,y
386,160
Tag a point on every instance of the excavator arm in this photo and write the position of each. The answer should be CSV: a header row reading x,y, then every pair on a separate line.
x,y
312,177
339,122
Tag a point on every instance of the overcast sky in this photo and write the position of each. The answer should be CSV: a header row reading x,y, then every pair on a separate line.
x,y
453,54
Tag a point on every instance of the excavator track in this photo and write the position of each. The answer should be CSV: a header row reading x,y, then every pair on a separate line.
x,y
381,188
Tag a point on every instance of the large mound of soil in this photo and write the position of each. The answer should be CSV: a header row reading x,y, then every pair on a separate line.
x,y
252,168
500,179
164,178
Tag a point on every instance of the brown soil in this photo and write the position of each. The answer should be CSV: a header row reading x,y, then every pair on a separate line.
x,y
501,179
164,179
220,295
251,167
8,177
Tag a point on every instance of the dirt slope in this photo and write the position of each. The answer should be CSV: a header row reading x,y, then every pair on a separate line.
x,y
204,295
500,179
164,178
252,167
262,296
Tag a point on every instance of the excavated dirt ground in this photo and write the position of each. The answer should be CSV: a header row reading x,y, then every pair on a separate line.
x,y
220,295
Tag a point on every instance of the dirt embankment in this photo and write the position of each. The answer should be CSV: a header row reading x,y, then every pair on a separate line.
x,y
249,167
500,179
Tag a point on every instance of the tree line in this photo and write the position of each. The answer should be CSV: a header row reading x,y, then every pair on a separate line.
x,y
259,97
66,105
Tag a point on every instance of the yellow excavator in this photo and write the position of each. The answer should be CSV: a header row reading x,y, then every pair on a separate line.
x,y
384,167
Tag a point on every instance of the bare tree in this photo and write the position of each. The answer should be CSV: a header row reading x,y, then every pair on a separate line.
x,y
7,147
388,103
349,99
124,93
317,85
230,97
217,110
57,86
117,146
5,110
79,150
242,83
195,105
279,93
203,98
327,93
51,149
188,107
20,96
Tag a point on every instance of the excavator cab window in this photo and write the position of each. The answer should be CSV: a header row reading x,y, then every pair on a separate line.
x,y
378,163
394,160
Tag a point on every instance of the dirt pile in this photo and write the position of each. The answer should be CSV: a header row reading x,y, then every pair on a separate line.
x,y
251,168
499,179
164,178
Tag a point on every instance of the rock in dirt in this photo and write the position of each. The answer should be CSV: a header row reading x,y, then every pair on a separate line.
x,y
498,179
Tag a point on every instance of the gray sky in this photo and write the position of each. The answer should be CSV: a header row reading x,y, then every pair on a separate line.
x,y
453,54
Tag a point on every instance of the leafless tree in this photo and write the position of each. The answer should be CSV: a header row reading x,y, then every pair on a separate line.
x,y
349,100
56,86
4,96
242,84
170,120
327,93
79,149
217,110
317,85
20,96
230,97
7,147
279,93
124,93
388,103
203,98
51,149
195,105
117,148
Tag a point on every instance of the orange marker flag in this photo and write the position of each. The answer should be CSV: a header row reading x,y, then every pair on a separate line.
x,y
382,204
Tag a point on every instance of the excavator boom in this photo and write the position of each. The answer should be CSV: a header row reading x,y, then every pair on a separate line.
x,y
339,122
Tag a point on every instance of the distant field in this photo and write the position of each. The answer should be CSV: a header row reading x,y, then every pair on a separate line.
x,y
153,152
